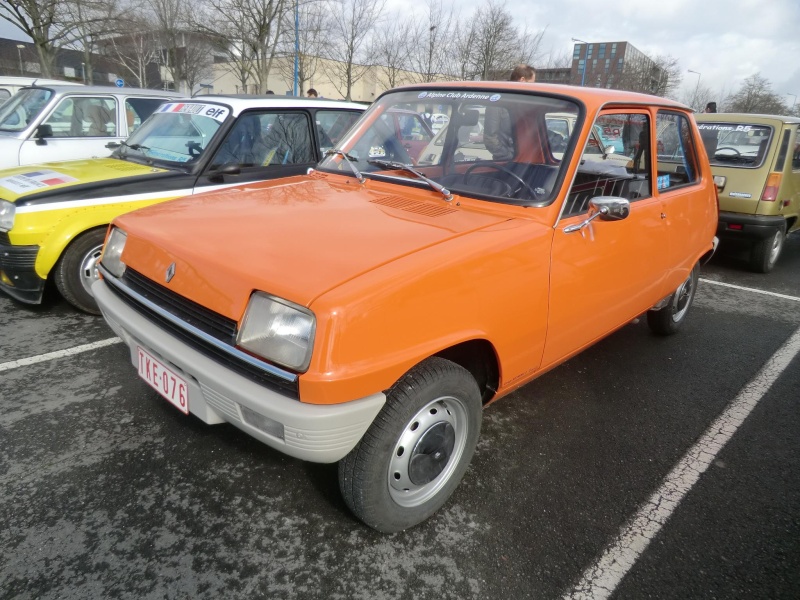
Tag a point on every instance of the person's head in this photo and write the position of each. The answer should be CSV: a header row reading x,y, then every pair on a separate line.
x,y
270,92
711,107
312,93
523,73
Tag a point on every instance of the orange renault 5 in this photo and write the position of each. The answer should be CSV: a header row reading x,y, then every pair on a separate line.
x,y
366,312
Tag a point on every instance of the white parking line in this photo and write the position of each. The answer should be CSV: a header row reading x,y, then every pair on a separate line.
x,y
747,289
32,360
601,579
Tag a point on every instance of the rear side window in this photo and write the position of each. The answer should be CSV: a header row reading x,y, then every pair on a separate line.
x,y
676,151
742,145
796,151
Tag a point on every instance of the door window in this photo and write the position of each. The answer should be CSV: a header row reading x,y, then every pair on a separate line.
x,y
84,117
615,162
138,109
332,125
260,139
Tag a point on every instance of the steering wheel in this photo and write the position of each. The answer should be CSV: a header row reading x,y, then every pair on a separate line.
x,y
512,191
735,151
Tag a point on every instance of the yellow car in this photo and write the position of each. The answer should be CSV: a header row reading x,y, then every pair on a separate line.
x,y
756,161
54,216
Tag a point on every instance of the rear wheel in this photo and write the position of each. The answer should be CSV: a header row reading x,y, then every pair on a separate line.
x,y
416,451
669,319
765,253
76,270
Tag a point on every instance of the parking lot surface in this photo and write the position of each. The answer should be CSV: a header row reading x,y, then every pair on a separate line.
x,y
106,490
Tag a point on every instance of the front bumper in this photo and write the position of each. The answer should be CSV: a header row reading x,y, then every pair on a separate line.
x,y
317,433
748,227
18,276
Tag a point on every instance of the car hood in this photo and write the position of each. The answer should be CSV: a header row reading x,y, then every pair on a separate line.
x,y
21,182
294,238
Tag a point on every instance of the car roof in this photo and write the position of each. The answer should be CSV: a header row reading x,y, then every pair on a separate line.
x,y
105,89
745,118
594,98
239,103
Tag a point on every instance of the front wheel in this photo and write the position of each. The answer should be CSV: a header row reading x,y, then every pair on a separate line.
x,y
76,270
765,253
668,320
416,451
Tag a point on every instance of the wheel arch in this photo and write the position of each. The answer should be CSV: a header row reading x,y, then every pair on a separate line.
x,y
477,356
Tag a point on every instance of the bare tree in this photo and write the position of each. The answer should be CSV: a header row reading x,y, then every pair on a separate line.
x,y
428,43
313,28
92,21
698,96
756,96
137,50
46,22
351,24
461,50
390,47
253,28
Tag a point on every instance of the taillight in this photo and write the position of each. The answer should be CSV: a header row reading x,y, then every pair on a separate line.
x,y
771,189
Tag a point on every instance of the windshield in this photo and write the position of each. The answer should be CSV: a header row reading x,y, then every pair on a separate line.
x,y
492,146
23,108
178,132
735,144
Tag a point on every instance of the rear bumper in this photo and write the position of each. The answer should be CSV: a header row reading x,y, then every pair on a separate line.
x,y
317,433
18,276
737,226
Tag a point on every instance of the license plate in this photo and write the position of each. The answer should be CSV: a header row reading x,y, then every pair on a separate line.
x,y
164,380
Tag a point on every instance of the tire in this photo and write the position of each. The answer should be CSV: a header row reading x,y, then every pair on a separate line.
x,y
77,270
415,453
765,253
670,318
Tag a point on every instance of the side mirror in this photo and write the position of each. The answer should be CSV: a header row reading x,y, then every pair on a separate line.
x,y
608,151
43,131
608,208
219,174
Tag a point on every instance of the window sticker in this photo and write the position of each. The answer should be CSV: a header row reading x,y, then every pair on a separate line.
x,y
433,95
218,113
663,182
34,180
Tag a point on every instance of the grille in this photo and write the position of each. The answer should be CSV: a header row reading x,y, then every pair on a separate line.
x,y
211,323
4,239
17,257
196,315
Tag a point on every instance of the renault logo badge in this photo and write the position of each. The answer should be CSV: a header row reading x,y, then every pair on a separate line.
x,y
170,273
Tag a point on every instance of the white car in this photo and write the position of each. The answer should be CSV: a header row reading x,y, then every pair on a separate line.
x,y
11,85
67,122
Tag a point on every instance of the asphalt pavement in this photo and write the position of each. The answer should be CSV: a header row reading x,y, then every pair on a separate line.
x,y
107,491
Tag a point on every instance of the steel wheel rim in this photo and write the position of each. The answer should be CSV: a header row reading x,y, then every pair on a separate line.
x,y
777,243
680,302
88,271
422,431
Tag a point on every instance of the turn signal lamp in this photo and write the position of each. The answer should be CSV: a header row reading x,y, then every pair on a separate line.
x,y
771,189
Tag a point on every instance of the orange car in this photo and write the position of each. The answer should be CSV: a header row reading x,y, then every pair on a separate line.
x,y
366,312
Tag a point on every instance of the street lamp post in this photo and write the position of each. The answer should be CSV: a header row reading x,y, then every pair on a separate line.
x,y
296,47
20,48
697,86
585,60
430,52
794,100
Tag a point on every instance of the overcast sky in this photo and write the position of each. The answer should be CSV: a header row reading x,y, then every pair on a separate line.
x,y
725,41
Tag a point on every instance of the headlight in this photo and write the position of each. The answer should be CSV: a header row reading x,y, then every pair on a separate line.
x,y
7,211
278,330
112,252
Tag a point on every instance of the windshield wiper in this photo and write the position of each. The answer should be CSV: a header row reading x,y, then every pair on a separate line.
x,y
349,160
134,146
400,166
